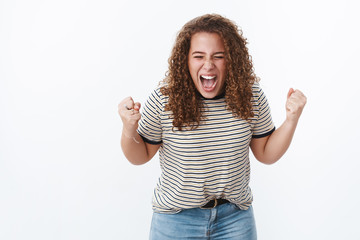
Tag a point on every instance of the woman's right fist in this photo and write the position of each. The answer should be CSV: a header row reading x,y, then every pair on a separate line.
x,y
130,115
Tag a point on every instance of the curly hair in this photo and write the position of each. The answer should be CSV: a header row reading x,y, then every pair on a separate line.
x,y
184,100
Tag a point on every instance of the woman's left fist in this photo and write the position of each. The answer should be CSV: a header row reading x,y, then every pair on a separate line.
x,y
295,103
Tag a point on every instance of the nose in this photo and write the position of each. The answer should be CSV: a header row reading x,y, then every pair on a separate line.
x,y
208,65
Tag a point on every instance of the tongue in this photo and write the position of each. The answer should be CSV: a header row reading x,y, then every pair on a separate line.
x,y
208,83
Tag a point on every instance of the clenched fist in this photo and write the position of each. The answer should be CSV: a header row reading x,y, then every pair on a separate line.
x,y
130,115
295,103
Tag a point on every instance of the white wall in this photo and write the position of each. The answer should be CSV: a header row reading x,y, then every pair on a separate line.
x,y
65,65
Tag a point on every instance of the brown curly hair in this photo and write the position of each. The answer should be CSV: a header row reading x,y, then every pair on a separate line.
x,y
184,100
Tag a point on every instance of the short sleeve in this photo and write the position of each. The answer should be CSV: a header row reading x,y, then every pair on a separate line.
x,y
150,128
263,124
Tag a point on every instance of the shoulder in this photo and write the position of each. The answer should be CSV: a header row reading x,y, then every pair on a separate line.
x,y
159,92
259,98
256,89
157,98
257,92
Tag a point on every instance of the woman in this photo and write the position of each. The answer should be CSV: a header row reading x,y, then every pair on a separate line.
x,y
203,118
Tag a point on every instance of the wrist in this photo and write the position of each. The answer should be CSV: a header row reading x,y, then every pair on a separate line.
x,y
292,122
132,136
129,131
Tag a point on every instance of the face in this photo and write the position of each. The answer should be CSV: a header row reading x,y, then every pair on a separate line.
x,y
206,62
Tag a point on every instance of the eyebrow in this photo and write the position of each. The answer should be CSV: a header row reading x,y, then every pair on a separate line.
x,y
199,52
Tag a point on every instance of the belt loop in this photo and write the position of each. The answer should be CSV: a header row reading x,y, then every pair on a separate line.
x,y
216,202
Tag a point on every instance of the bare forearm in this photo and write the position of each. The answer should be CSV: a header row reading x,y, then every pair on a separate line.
x,y
134,148
278,142
271,148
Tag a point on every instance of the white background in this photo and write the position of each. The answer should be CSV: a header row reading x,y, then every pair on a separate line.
x,y
65,65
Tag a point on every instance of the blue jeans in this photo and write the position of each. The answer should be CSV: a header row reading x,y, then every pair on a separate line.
x,y
225,221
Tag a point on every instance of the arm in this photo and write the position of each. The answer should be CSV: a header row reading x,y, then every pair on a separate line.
x,y
135,149
270,149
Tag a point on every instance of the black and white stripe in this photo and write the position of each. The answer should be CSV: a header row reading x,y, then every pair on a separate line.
x,y
211,161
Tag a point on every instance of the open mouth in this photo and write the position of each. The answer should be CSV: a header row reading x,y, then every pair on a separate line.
x,y
208,82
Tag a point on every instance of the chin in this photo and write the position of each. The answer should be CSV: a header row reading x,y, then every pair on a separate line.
x,y
209,94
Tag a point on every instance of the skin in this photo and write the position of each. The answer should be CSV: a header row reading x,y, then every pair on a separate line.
x,y
135,149
270,149
206,57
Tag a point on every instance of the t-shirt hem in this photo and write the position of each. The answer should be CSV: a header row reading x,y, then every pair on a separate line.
x,y
243,206
264,134
150,141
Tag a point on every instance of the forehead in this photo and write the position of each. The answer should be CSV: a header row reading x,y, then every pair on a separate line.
x,y
206,41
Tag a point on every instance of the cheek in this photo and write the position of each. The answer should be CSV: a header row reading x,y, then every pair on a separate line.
x,y
193,68
223,69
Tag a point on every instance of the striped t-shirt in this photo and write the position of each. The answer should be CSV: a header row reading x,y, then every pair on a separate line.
x,y
211,161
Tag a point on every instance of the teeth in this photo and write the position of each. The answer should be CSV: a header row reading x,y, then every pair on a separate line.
x,y
208,77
